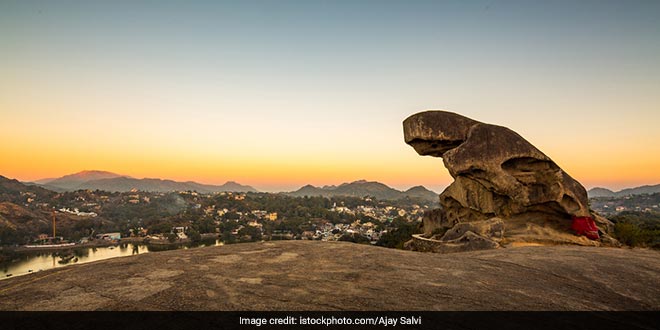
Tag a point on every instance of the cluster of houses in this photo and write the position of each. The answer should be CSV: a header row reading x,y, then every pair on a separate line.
x,y
374,217
44,240
333,232
382,214
327,231
257,214
75,211
649,203
621,208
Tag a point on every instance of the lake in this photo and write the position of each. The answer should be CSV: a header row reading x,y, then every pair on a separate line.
x,y
32,262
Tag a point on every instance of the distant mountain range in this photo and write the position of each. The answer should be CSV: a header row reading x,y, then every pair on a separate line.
x,y
363,188
108,181
604,192
73,181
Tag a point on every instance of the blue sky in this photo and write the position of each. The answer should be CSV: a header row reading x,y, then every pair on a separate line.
x,y
321,87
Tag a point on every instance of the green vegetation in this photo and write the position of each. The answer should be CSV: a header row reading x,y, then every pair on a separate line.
x,y
638,229
171,237
354,237
401,232
234,217
249,234
194,235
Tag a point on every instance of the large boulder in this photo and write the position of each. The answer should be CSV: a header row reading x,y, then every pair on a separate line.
x,y
499,174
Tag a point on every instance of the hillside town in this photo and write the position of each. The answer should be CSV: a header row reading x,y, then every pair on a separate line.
x,y
648,203
36,217
173,217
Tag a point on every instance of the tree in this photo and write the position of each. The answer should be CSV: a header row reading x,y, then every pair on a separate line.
x,y
354,237
172,237
637,228
253,232
228,238
206,225
161,228
400,232
8,236
194,235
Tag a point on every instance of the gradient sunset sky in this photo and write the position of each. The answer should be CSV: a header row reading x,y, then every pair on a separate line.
x,y
278,94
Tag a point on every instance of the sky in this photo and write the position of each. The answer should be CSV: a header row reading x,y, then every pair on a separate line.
x,y
279,94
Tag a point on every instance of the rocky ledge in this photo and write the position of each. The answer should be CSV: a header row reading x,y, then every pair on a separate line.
x,y
312,275
505,190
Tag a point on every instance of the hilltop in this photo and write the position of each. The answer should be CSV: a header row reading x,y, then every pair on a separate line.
x,y
362,188
310,275
15,218
72,181
112,182
604,192
123,184
12,190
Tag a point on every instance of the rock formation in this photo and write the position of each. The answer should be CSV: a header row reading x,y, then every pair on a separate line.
x,y
505,191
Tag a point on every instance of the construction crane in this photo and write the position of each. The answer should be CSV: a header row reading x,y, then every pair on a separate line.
x,y
53,224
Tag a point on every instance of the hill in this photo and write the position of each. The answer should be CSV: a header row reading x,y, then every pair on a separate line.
x,y
26,211
309,275
600,192
72,181
421,192
17,223
14,191
364,188
112,182
123,184
604,192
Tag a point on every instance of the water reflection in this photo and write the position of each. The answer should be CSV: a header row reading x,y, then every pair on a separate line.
x,y
22,264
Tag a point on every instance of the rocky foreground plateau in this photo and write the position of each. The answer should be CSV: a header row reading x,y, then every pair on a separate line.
x,y
311,275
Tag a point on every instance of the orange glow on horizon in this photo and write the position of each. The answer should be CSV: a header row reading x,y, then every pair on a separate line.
x,y
275,174
266,166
